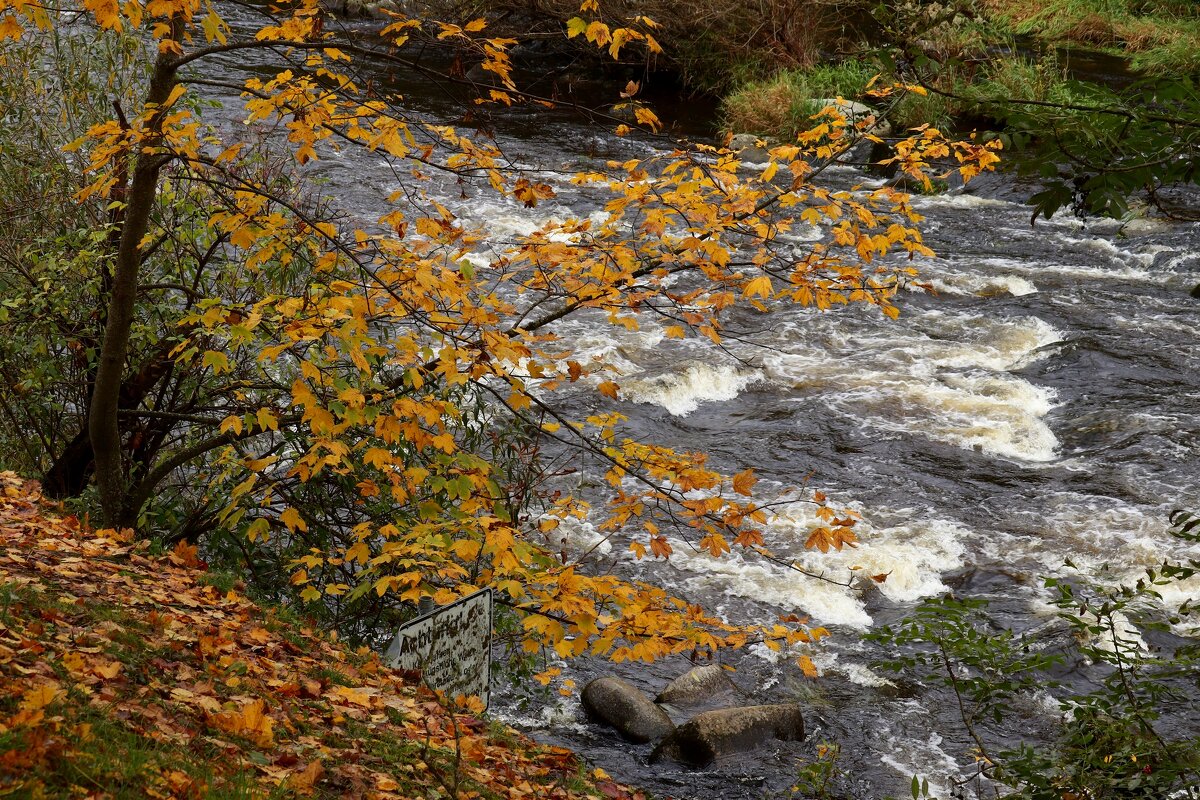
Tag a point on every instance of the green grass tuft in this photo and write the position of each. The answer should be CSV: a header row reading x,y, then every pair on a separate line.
x,y
781,106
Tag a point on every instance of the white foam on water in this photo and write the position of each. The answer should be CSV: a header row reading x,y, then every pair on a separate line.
x,y
1108,542
1035,269
967,284
864,676
682,392
557,713
830,662
913,556
593,339
1120,634
632,356
733,574
1147,226
766,654
1174,595
803,232
1099,245
925,760
1117,631
995,414
981,340
1100,535
1160,325
960,200
508,219
1143,256
945,376
580,538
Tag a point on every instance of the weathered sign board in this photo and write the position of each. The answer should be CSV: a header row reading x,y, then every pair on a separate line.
x,y
452,646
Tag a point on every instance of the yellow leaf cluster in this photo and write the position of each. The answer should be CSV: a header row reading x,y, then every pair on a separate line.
x,y
411,360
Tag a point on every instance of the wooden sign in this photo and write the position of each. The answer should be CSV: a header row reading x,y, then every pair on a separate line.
x,y
451,646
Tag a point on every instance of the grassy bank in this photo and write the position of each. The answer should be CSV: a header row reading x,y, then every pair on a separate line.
x,y
131,676
1158,36
780,106
973,76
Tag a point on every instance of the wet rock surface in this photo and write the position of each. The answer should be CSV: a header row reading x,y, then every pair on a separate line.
x,y
697,685
621,705
707,737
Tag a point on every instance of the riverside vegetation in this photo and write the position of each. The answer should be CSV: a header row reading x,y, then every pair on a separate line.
x,y
999,67
200,346
353,414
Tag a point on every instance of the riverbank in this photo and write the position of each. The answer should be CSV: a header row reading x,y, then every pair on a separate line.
x,y
986,65
978,66
136,675
1160,37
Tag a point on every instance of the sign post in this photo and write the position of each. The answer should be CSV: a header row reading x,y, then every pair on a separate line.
x,y
451,646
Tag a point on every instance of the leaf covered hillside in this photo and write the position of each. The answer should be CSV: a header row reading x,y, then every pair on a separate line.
x,y
124,674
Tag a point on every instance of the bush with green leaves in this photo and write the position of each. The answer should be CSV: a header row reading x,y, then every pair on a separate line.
x,y
1131,735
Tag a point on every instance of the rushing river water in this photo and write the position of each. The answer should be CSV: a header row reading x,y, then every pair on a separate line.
x,y
1044,404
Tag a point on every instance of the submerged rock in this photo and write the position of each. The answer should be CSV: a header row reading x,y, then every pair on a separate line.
x,y
709,736
696,685
622,705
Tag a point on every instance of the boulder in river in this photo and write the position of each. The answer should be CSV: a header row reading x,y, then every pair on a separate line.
x,y
625,707
697,685
747,144
856,113
709,736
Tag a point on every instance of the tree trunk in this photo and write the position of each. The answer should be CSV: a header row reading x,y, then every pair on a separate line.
x,y
103,423
68,475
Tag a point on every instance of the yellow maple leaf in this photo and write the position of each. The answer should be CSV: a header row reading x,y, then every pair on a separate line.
x,y
40,696
807,667
743,482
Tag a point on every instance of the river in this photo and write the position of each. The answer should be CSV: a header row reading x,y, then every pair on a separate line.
x,y
1042,405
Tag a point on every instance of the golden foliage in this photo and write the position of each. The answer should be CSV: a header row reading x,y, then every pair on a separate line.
x,y
402,345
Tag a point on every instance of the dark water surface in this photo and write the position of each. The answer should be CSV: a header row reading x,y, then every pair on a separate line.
x,y
1044,404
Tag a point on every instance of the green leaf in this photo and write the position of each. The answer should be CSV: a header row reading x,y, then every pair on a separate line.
x,y
218,361
575,26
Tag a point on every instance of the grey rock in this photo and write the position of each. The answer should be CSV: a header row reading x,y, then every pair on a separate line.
x,y
747,145
856,112
714,734
696,685
622,705
861,150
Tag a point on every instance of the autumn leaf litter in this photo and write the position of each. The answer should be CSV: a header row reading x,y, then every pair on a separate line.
x,y
125,674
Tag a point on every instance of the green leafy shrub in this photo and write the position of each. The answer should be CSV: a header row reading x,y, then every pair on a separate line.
x,y
1131,736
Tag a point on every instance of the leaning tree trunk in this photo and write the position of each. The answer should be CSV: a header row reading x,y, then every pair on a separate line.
x,y
103,421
